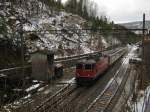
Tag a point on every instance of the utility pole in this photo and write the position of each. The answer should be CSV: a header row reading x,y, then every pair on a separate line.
x,y
142,74
22,50
22,44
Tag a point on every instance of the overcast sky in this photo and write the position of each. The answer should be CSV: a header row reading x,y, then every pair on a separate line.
x,y
122,11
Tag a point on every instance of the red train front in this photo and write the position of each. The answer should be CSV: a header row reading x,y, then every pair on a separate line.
x,y
85,71
89,69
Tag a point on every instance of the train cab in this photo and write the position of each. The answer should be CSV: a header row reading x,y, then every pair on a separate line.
x,y
85,71
88,70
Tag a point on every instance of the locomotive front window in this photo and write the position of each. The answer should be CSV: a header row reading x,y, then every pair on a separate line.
x,y
79,66
88,66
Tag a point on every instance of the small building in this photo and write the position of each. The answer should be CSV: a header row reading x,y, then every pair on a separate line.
x,y
42,65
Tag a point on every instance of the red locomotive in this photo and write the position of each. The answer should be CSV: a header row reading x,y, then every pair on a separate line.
x,y
90,69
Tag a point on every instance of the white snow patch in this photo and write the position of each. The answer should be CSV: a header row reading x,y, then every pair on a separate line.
x,y
72,80
47,91
104,42
32,87
29,27
142,101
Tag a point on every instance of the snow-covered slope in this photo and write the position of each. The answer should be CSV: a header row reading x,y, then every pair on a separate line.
x,y
51,27
138,24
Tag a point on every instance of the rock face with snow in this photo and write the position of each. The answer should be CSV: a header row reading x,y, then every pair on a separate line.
x,y
52,29
55,33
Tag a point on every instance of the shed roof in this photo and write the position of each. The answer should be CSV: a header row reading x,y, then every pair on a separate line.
x,y
90,61
43,52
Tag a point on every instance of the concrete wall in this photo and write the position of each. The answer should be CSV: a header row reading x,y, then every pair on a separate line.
x,y
39,66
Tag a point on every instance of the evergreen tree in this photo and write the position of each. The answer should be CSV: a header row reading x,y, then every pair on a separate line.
x,y
71,6
80,9
85,13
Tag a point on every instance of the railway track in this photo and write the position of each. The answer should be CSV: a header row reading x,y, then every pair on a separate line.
x,y
66,105
56,99
64,102
105,99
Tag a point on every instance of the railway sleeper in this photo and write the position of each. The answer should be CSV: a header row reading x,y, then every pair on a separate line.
x,y
108,94
103,99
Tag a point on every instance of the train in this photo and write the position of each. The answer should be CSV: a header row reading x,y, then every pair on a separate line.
x,y
91,68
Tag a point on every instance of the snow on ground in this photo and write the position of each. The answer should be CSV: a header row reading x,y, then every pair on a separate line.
x,y
142,101
71,81
86,49
104,42
32,87
17,103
